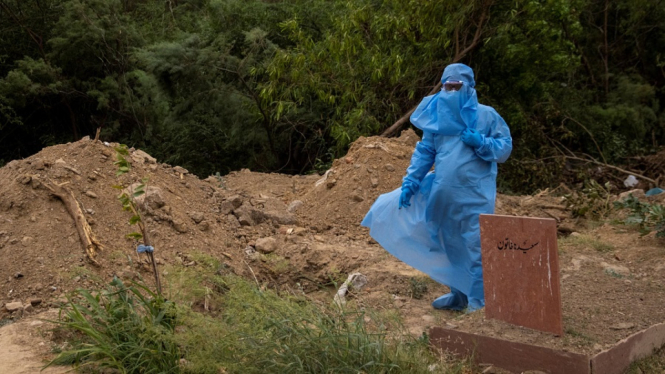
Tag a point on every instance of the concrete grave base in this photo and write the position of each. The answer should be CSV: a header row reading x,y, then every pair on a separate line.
x,y
518,357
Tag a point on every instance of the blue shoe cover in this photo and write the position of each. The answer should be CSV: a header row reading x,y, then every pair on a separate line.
x,y
454,300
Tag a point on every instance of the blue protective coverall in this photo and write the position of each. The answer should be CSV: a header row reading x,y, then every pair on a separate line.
x,y
439,233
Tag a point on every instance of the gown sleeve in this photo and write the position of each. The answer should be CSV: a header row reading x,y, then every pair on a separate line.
x,y
497,144
421,162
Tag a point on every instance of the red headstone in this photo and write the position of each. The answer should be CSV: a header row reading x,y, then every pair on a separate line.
x,y
521,271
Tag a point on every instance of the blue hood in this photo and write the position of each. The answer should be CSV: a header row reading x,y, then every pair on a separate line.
x,y
449,113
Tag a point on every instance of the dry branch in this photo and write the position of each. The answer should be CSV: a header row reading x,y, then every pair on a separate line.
x,y
88,239
593,161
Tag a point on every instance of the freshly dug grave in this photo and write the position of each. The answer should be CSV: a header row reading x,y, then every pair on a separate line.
x,y
294,233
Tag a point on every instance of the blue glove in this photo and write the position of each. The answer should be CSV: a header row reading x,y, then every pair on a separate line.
x,y
472,138
405,198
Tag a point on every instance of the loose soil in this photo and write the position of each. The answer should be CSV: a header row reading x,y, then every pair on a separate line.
x,y
610,275
26,345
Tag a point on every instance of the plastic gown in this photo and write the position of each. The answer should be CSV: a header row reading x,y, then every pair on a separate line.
x,y
439,234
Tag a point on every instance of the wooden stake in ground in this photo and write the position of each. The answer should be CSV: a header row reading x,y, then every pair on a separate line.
x,y
88,239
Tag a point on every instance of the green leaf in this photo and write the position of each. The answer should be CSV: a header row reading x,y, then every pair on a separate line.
x,y
122,149
134,219
134,235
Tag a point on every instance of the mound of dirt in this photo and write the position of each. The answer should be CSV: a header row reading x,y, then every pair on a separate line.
x,y
42,251
287,232
374,166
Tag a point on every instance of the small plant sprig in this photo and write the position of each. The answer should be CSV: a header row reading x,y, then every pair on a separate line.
x,y
648,217
129,204
594,201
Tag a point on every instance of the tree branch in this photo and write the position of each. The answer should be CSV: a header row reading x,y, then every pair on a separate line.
x,y
395,127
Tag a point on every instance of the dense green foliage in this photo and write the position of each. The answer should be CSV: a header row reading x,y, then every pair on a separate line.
x,y
215,85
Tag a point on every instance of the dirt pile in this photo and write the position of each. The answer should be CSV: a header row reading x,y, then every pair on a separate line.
x,y
374,166
288,232
42,252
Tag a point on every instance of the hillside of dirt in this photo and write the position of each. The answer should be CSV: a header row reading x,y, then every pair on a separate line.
x,y
292,232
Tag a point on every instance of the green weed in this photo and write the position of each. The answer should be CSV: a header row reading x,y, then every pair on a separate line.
x,y
588,241
129,329
418,287
647,217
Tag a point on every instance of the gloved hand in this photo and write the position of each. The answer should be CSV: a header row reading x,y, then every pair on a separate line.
x,y
405,198
472,138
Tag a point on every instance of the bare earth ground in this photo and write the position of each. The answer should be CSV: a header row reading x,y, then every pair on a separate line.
x,y
25,345
293,232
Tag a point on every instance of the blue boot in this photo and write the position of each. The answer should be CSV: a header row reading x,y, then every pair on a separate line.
x,y
455,300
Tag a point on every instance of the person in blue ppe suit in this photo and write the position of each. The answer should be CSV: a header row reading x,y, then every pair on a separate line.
x,y
432,221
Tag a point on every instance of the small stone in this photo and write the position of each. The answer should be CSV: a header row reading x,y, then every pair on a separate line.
x,y
294,206
627,282
35,302
232,221
389,167
428,318
26,241
204,226
357,198
575,234
331,184
615,269
13,241
179,226
38,287
18,275
197,217
266,245
39,164
282,218
142,157
236,201
374,181
319,238
53,288
91,194
28,308
25,179
300,231
12,307
33,219
92,176
637,193
77,279
35,183
622,326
